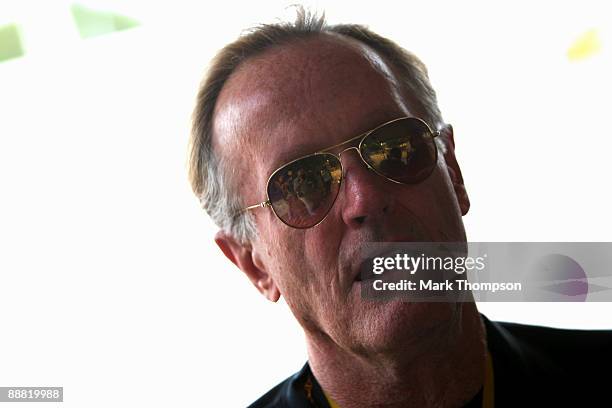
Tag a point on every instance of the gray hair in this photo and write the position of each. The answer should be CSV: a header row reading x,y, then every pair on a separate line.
x,y
210,179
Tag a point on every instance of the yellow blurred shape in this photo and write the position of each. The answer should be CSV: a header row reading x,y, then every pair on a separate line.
x,y
585,46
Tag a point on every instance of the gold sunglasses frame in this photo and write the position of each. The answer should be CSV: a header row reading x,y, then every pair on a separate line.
x,y
326,151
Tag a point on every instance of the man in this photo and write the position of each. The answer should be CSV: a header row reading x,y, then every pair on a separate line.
x,y
270,101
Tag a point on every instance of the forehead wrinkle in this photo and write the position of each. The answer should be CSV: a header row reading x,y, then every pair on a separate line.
x,y
285,82
253,96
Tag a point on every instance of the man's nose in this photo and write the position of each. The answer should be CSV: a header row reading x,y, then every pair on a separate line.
x,y
365,200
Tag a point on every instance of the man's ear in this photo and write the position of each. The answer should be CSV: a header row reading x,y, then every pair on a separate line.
x,y
245,258
453,169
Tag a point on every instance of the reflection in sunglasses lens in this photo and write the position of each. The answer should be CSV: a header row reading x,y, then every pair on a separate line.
x,y
403,151
302,192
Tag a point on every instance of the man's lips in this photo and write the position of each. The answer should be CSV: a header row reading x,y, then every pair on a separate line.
x,y
363,266
364,269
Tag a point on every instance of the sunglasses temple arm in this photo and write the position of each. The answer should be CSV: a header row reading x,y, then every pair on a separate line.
x,y
252,207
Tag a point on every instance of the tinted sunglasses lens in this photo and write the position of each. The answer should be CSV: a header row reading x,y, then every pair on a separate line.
x,y
403,150
302,192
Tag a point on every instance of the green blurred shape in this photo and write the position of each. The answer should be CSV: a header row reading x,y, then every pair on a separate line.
x,y
92,23
10,42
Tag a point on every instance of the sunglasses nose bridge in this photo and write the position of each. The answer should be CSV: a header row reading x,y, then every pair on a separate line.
x,y
347,149
358,153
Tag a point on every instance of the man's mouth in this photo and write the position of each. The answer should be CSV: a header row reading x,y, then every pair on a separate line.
x,y
372,267
366,271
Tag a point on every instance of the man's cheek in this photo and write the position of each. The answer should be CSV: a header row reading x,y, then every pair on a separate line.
x,y
291,270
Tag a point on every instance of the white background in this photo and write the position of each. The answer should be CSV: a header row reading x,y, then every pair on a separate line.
x,y
110,284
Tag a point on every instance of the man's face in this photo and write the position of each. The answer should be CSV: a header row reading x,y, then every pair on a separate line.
x,y
301,98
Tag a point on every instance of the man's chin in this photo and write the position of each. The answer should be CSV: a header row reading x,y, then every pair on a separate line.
x,y
396,323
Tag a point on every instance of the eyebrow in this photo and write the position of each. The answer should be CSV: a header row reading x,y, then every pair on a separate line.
x,y
293,152
299,149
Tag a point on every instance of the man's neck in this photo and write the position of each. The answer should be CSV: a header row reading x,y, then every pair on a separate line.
x,y
443,372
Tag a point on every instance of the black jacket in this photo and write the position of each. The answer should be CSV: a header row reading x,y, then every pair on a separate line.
x,y
533,366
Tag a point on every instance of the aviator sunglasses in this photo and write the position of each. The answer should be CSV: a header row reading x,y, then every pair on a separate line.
x,y
302,192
